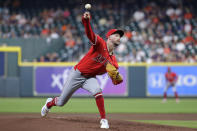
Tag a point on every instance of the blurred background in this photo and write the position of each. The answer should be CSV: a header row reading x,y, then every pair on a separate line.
x,y
41,40
155,31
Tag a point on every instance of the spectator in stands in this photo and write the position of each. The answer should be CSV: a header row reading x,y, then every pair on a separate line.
x,y
152,28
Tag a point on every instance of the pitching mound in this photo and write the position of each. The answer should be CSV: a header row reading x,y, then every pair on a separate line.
x,y
82,122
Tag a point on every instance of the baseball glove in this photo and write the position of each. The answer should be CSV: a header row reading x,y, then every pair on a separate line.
x,y
114,74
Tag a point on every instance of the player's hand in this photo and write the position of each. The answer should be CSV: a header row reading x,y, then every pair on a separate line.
x,y
86,15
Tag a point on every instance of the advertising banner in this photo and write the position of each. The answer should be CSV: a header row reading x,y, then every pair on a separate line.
x,y
185,86
50,81
1,63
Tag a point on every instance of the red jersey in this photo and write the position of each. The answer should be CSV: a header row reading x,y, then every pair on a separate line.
x,y
171,77
94,62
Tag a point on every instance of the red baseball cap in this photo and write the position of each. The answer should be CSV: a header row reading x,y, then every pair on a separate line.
x,y
114,31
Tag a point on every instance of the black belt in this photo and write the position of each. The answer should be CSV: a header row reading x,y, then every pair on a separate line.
x,y
87,76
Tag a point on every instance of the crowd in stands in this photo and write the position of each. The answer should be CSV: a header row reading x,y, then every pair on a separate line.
x,y
155,31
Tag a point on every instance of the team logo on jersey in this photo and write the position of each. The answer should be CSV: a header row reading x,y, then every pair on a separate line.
x,y
101,59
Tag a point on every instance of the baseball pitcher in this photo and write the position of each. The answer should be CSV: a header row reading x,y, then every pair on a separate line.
x,y
99,60
171,79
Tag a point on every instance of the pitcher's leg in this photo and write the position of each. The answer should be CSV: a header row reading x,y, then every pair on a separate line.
x,y
74,82
62,100
100,104
92,86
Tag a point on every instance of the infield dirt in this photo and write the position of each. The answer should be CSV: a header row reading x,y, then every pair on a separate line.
x,y
89,122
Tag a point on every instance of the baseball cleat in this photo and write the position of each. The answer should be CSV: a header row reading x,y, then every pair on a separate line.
x,y
45,110
104,124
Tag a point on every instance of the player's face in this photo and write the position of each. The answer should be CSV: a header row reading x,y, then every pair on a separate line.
x,y
115,39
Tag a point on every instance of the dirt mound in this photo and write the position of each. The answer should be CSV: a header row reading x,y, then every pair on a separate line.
x,y
75,122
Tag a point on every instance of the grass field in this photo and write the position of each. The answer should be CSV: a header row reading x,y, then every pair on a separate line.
x,y
113,105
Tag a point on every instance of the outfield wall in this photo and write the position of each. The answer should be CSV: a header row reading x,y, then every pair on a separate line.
x,y
26,79
186,84
2,61
138,82
50,81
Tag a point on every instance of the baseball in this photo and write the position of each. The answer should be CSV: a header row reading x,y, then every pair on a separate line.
x,y
88,6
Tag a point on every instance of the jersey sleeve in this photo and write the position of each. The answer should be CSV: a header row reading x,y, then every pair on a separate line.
x,y
89,32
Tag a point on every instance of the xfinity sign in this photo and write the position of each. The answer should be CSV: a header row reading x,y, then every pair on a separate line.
x,y
186,84
50,81
59,79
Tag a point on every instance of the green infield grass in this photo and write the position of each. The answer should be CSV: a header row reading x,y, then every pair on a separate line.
x,y
190,124
113,105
